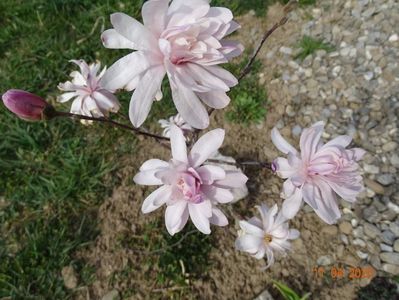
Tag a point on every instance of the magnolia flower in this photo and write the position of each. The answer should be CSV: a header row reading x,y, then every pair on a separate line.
x,y
189,188
91,98
185,41
27,106
266,236
174,120
318,172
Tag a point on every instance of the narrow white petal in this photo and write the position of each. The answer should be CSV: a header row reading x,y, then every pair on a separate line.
x,y
173,216
124,70
190,107
280,143
199,218
113,40
160,195
144,95
178,144
206,146
218,218
66,97
134,31
154,164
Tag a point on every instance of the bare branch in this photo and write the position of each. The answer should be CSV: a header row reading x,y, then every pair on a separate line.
x,y
112,122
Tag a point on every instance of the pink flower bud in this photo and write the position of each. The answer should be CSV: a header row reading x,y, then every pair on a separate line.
x,y
27,106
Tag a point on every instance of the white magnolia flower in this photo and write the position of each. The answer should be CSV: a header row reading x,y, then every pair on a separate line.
x,y
261,237
89,96
174,120
318,172
183,39
190,188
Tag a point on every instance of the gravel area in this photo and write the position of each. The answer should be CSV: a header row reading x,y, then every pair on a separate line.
x,y
354,88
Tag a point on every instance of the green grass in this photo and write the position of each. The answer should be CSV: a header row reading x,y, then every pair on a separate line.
x,y
54,175
380,288
249,99
309,45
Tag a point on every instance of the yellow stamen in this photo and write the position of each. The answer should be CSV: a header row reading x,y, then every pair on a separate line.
x,y
268,238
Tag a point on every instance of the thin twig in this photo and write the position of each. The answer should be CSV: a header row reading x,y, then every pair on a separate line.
x,y
246,70
111,122
265,165
267,34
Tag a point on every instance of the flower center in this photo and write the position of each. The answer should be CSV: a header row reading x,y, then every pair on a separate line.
x,y
189,185
267,239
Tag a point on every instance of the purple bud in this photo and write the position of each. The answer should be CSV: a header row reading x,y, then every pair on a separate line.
x,y
274,166
27,106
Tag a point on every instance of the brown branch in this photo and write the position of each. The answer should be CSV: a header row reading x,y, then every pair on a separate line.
x,y
111,122
267,34
261,164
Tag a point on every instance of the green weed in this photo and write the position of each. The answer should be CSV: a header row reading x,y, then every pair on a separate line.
x,y
309,45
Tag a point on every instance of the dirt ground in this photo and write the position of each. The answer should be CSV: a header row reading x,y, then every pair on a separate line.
x,y
233,275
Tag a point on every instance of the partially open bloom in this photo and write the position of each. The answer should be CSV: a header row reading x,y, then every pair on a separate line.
x,y
318,172
91,98
174,120
27,106
267,235
185,41
189,188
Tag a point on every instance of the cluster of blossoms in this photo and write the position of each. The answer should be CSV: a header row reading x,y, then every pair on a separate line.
x,y
185,41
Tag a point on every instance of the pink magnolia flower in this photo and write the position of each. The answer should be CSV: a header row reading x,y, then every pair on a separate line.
x,y
189,188
261,237
318,172
185,41
91,98
174,120
27,106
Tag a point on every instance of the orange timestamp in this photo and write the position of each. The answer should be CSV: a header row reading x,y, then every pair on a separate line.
x,y
338,272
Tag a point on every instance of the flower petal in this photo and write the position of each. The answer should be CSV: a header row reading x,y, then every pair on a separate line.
x,y
134,31
160,196
174,216
251,229
217,194
221,13
292,204
215,99
154,15
190,107
144,95
233,179
210,173
66,97
280,143
200,214
206,146
178,144
294,234
248,243
218,218
310,139
153,164
124,70
113,40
